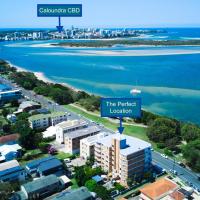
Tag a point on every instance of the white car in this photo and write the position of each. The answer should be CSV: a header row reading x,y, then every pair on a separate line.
x,y
164,156
173,172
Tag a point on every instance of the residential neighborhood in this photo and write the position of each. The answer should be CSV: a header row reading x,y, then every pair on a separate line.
x,y
71,144
99,100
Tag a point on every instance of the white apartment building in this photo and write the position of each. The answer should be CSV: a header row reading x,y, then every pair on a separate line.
x,y
87,144
42,121
65,127
72,139
123,156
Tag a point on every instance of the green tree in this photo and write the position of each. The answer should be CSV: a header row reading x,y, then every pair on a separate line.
x,y
5,112
191,152
61,96
43,146
147,117
14,103
102,192
119,187
190,132
85,173
168,152
5,191
6,128
80,176
172,142
91,185
1,125
23,116
43,90
25,79
29,139
162,129
129,182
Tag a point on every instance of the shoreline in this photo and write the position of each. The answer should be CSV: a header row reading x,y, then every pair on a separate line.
x,y
41,76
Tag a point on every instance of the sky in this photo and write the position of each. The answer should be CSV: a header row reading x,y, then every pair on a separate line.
x,y
104,13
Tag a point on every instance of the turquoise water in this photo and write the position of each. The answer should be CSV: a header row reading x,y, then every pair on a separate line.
x,y
170,84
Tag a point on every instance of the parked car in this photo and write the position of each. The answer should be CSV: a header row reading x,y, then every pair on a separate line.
x,y
173,172
182,164
164,156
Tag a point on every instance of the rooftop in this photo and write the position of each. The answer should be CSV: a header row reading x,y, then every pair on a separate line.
x,y
49,164
82,132
65,179
8,165
160,188
9,138
92,139
97,178
81,193
177,195
41,111
9,91
35,163
133,144
41,116
41,183
50,132
4,87
71,124
26,104
5,149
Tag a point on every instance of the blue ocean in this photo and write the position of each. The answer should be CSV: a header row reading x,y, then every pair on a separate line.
x,y
169,77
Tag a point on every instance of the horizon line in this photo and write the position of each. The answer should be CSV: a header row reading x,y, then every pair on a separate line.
x,y
136,27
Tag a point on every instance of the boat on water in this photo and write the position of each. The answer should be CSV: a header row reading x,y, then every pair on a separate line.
x,y
135,91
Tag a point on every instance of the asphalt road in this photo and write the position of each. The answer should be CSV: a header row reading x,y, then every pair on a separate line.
x,y
184,174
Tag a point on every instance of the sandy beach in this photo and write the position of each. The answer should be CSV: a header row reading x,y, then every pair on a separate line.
x,y
41,76
155,52
137,52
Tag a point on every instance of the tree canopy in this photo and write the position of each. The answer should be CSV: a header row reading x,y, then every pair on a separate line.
x,y
5,191
163,130
190,132
191,152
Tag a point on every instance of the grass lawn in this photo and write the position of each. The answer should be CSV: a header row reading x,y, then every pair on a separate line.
x,y
131,130
74,186
62,155
3,120
36,154
139,132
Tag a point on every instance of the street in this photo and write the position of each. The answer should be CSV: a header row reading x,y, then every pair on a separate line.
x,y
183,173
